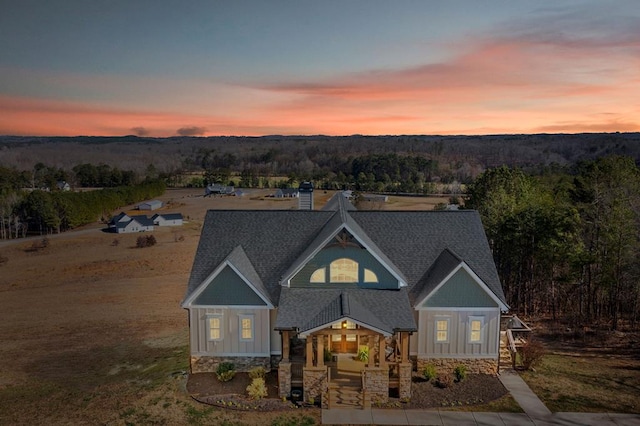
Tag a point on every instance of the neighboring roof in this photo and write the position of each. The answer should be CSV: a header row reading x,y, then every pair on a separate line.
x,y
152,203
169,216
121,217
307,309
143,220
418,246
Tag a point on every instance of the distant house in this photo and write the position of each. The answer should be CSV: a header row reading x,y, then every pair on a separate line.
x,y
63,186
123,223
150,205
217,189
168,219
287,193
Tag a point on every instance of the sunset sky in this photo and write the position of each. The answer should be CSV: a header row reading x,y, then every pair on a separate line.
x,y
234,67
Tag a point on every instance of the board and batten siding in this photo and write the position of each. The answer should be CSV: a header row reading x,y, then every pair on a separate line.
x,y
458,345
230,344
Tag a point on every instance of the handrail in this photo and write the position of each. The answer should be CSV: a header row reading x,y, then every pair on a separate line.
x,y
511,342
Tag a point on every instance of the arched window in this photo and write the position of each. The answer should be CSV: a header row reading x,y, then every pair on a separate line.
x,y
370,276
344,271
319,276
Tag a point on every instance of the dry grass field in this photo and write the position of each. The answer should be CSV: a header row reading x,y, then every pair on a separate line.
x,y
92,331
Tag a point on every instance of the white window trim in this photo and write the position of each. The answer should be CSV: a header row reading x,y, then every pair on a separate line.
x,y
208,324
481,340
251,317
448,321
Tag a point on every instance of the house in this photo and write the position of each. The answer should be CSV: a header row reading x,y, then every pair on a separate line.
x,y
287,193
123,223
217,189
167,219
63,186
401,288
150,205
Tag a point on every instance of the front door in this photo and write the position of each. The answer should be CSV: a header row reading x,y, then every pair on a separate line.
x,y
344,343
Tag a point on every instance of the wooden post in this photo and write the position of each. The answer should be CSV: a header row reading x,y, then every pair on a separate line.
x,y
405,346
320,349
382,346
309,351
370,345
285,345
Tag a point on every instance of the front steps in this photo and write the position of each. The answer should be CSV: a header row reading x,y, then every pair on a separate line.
x,y
345,396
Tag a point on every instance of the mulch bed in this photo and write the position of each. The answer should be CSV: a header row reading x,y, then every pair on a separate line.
x,y
475,389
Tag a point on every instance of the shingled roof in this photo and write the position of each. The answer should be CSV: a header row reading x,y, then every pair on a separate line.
x,y
419,246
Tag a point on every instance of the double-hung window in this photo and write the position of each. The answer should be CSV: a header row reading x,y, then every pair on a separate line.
x,y
214,327
246,328
476,325
442,330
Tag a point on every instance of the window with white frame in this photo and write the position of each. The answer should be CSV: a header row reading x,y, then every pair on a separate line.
x,y
442,330
370,276
344,271
246,327
318,276
214,327
476,325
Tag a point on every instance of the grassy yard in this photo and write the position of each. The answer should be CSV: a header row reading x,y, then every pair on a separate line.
x,y
573,382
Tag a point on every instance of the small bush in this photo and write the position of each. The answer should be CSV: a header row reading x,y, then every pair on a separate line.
x,y
145,241
257,373
115,242
444,381
327,355
363,353
531,354
225,371
460,372
257,389
429,372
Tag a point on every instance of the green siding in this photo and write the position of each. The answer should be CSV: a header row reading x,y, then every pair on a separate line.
x,y
362,256
228,289
461,291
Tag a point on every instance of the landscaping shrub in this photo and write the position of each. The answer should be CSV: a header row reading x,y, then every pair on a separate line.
x,y
225,371
145,241
531,354
460,372
257,389
444,381
257,373
327,355
363,353
429,372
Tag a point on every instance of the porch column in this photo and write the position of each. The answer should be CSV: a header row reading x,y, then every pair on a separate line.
x,y
370,344
382,346
309,351
404,336
285,345
320,350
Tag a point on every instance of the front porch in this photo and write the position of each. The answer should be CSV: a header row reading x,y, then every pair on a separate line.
x,y
349,367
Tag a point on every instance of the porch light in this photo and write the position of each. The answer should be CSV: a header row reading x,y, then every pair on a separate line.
x,y
344,324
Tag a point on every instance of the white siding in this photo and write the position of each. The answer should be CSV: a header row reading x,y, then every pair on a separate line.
x,y
230,343
458,345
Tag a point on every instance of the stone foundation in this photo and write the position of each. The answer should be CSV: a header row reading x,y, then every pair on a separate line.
x,y
314,383
284,379
404,380
209,364
447,365
376,383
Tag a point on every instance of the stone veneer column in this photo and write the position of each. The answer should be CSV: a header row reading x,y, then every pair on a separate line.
x,y
284,379
404,380
314,382
376,383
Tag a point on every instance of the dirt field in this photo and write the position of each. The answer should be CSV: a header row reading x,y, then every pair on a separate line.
x,y
92,331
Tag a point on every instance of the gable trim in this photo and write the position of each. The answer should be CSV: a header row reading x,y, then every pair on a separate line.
x,y
329,324
474,276
287,280
193,296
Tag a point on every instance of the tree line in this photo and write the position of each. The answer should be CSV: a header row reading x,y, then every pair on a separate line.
x,y
566,241
41,212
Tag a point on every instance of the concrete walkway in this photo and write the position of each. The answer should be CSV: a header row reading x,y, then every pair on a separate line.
x,y
535,413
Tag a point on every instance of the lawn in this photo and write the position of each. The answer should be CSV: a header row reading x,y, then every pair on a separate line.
x,y
574,382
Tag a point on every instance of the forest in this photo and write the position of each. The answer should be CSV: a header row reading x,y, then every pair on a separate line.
x,y
561,212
